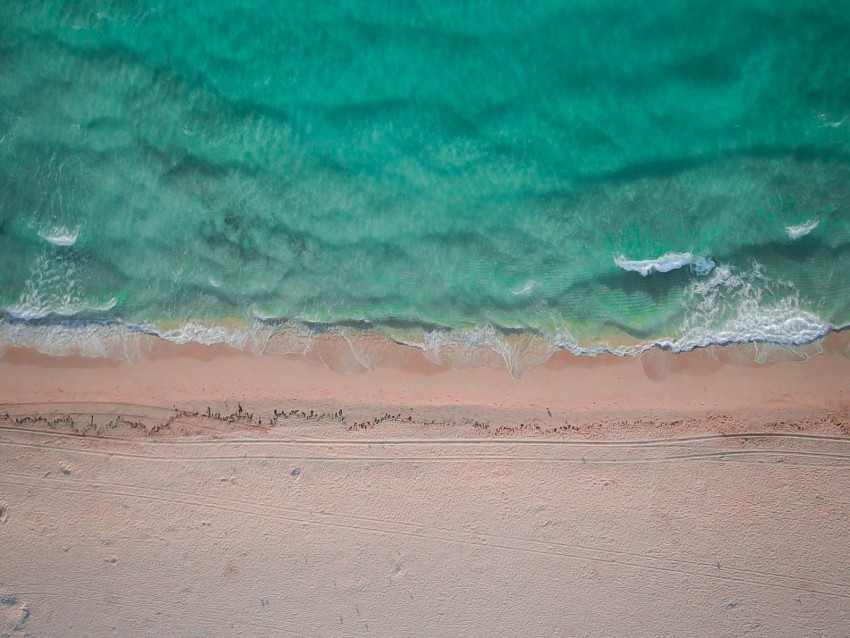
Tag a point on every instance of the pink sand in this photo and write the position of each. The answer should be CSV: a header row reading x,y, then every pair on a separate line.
x,y
674,495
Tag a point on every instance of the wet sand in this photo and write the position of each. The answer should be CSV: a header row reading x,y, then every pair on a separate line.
x,y
203,491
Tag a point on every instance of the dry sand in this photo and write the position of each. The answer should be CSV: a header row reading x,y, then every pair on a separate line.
x,y
207,492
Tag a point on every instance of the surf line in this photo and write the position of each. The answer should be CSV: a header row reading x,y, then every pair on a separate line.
x,y
666,263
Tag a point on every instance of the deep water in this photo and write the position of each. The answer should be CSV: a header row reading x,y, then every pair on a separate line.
x,y
422,169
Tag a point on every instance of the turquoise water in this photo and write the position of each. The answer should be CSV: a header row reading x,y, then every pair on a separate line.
x,y
430,171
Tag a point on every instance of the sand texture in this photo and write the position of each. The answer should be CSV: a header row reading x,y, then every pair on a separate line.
x,y
204,492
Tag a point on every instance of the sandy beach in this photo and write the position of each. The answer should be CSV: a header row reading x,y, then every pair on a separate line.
x,y
432,319
206,491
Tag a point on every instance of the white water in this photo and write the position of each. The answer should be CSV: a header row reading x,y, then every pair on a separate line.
x,y
795,232
61,236
731,306
665,263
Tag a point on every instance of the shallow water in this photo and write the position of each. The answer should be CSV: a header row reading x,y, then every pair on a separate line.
x,y
443,173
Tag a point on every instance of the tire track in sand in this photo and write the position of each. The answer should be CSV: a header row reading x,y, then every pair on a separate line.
x,y
431,534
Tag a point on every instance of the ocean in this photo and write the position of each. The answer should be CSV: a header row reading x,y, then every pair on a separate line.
x,y
510,177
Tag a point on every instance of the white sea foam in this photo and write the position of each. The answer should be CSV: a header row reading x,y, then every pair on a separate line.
x,y
62,309
117,340
89,339
485,347
734,307
251,338
795,232
55,288
665,263
831,123
730,306
527,288
781,326
702,266
61,236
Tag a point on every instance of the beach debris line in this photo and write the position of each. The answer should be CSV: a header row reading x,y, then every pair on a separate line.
x,y
181,422
301,415
397,418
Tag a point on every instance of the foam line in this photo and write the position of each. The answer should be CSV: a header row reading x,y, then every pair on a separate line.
x,y
665,263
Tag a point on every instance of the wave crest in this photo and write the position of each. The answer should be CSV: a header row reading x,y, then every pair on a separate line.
x,y
56,287
60,236
736,307
795,232
665,263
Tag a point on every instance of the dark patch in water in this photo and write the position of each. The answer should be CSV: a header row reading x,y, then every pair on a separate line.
x,y
193,166
637,333
800,250
670,167
658,286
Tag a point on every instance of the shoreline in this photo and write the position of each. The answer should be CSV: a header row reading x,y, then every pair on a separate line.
x,y
359,346
715,387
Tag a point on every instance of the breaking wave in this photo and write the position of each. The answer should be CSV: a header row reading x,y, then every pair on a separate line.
x,y
56,287
795,232
724,305
736,306
730,307
665,263
61,236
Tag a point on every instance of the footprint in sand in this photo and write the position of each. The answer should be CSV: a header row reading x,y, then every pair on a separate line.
x,y
14,613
